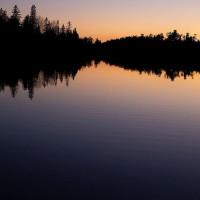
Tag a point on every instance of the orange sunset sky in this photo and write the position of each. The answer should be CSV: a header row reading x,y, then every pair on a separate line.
x,y
110,19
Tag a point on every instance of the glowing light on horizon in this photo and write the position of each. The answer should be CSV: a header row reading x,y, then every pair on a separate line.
x,y
110,19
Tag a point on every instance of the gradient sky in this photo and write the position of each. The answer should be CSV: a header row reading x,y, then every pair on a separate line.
x,y
107,19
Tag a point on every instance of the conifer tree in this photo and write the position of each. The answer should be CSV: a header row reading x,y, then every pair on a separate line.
x,y
26,23
33,18
75,34
16,14
14,21
3,16
47,25
62,29
69,29
57,28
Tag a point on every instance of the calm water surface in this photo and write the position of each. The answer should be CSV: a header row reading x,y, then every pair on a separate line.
x,y
109,133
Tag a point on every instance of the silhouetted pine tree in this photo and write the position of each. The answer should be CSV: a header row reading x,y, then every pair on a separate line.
x,y
75,34
69,29
3,16
33,18
26,24
15,19
62,31
16,13
47,26
3,23
57,28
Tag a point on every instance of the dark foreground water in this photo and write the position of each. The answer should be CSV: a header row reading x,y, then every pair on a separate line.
x,y
108,134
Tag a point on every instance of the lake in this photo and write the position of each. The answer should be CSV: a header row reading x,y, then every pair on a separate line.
x,y
101,132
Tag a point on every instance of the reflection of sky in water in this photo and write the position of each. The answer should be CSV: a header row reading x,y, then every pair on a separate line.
x,y
110,133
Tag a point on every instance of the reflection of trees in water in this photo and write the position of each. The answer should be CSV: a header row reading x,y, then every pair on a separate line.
x,y
31,80
170,71
35,79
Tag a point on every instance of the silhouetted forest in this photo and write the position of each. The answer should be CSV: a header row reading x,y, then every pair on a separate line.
x,y
174,48
36,52
35,36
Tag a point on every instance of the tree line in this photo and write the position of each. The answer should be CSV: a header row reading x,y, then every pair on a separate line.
x,y
38,37
34,24
174,47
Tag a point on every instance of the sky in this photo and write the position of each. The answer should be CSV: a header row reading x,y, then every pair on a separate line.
x,y
110,19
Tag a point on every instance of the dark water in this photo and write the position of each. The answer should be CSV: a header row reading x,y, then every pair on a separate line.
x,y
109,133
